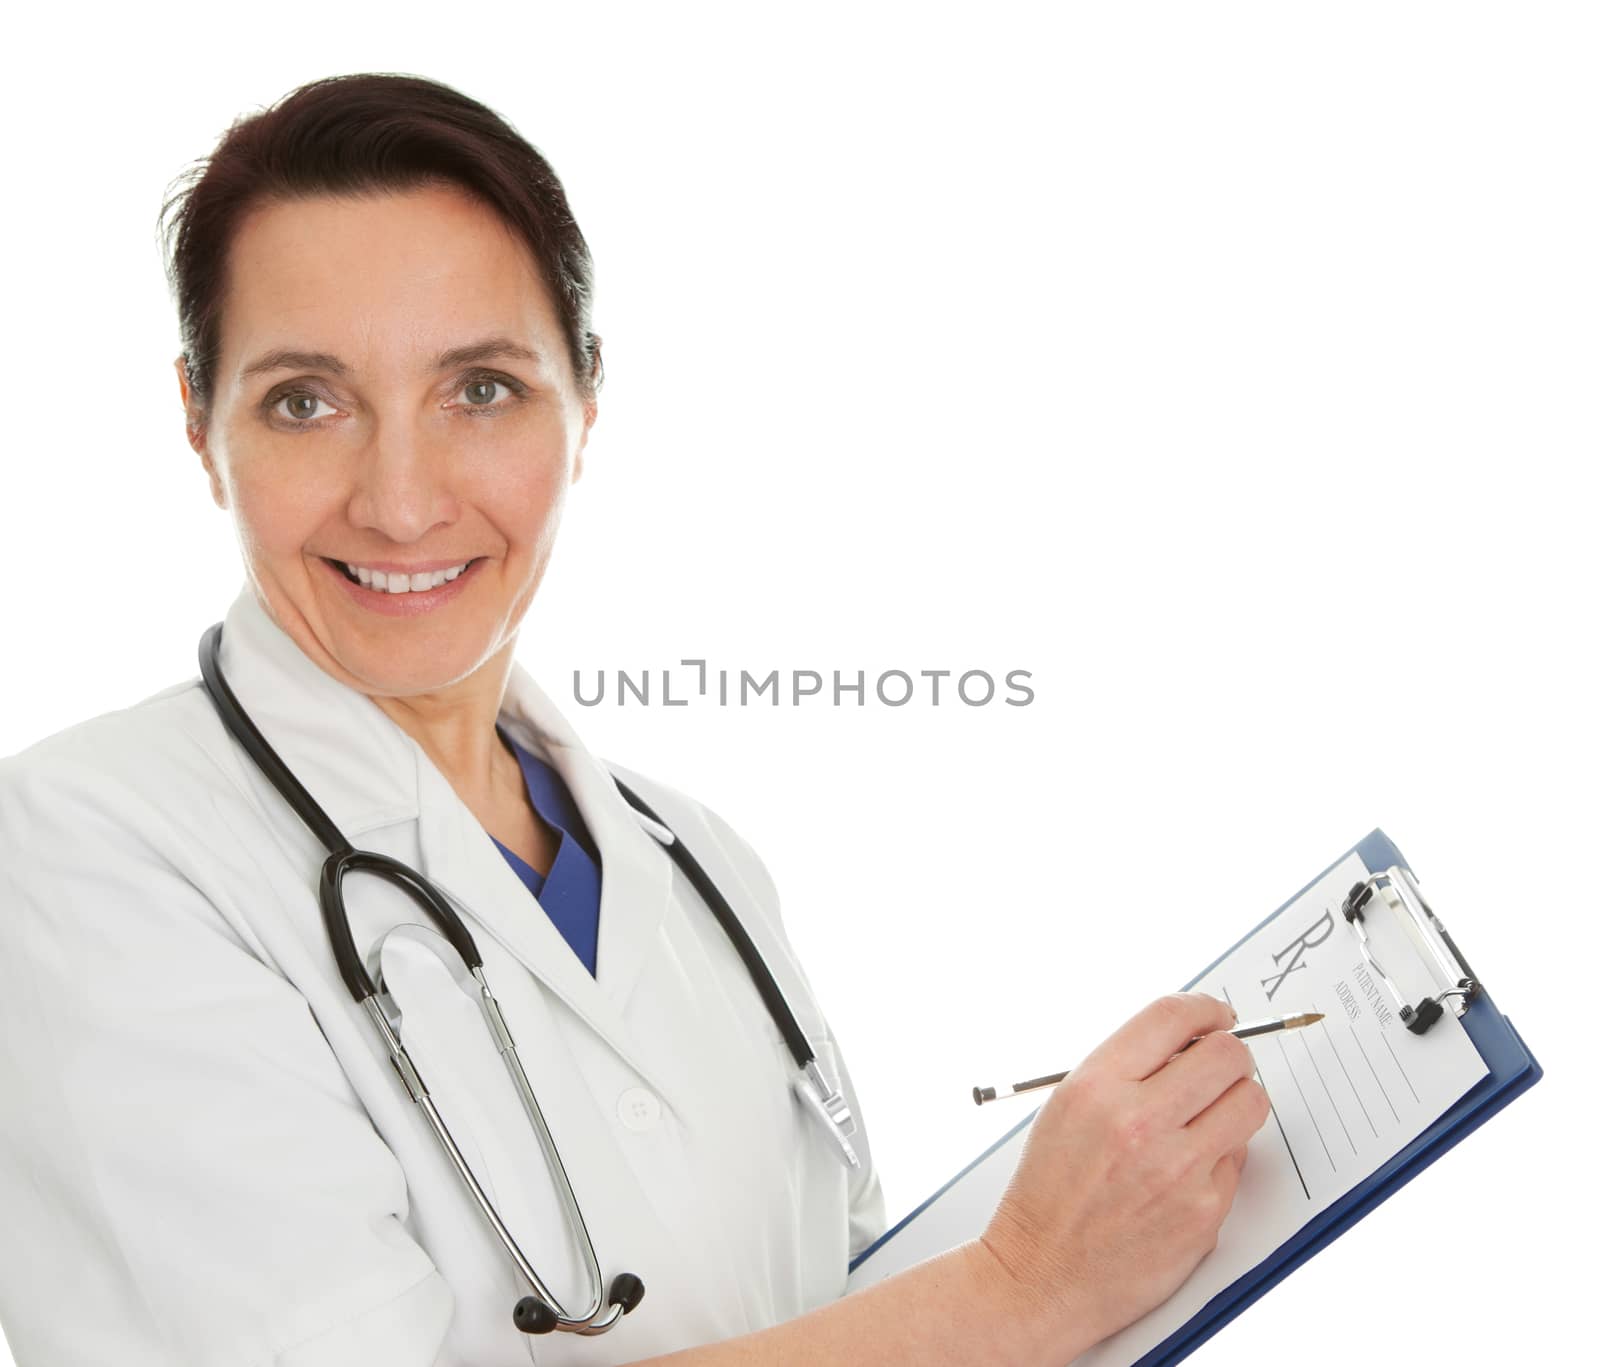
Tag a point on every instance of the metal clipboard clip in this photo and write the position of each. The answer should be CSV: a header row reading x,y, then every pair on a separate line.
x,y
1397,889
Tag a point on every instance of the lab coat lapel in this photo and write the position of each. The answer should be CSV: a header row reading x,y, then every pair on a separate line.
x,y
357,764
459,855
635,871
368,774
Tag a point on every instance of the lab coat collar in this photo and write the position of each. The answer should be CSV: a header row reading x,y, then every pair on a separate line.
x,y
367,774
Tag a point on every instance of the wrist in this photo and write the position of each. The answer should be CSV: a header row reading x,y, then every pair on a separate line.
x,y
1034,1326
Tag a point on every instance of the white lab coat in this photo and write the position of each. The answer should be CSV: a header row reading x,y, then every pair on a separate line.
x,y
205,1156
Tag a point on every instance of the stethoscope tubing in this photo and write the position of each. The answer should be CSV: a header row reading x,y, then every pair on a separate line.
x,y
343,858
776,1004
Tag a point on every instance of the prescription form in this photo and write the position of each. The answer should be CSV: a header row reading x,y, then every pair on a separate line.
x,y
1347,1095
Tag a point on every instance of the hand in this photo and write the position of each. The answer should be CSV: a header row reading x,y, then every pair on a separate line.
x,y
1127,1174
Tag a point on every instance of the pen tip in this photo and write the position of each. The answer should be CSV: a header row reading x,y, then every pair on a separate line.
x,y
1312,1017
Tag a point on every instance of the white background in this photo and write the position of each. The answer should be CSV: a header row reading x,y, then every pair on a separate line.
x,y
1230,367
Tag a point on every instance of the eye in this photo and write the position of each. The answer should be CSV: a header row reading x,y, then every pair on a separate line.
x,y
479,392
299,407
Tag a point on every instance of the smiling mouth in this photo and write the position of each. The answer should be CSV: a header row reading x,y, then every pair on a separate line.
x,y
399,584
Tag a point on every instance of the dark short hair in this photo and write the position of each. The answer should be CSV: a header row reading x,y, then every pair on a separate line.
x,y
368,133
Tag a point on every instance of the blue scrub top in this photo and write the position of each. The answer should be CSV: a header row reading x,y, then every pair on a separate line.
x,y
570,893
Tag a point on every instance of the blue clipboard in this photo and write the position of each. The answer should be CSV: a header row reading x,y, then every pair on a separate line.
x,y
1512,1070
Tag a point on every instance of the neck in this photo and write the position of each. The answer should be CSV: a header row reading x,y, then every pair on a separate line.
x,y
456,728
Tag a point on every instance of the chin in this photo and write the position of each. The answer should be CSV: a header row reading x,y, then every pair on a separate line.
x,y
399,659
404,672
393,656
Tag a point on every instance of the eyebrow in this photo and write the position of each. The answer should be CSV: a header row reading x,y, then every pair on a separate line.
x,y
286,358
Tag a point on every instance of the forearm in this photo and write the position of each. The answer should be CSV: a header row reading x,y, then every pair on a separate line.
x,y
957,1309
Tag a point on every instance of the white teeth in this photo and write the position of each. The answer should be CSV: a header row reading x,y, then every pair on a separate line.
x,y
405,583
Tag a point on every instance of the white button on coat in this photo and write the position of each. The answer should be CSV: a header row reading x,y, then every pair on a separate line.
x,y
639,1109
205,1156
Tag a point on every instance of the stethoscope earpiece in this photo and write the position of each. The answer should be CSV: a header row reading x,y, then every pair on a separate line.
x,y
627,1291
534,1316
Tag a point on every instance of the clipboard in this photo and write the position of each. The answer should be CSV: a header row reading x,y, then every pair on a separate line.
x,y
1391,889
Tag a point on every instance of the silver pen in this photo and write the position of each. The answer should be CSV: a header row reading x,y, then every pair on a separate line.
x,y
1246,1031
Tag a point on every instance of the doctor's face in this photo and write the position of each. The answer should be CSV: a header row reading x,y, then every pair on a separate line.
x,y
394,400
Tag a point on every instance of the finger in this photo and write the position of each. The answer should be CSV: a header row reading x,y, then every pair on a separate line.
x,y
1230,1120
1187,1084
1150,1038
1242,1156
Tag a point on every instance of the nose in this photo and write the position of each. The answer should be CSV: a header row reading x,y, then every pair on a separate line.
x,y
403,486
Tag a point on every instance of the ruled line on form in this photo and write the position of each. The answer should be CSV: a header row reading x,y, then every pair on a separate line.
x,y
1384,1090
1390,1048
1288,1147
1311,1115
1272,1106
1327,1091
1359,1102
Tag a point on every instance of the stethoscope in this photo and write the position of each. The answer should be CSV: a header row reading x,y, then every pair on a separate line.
x,y
541,1312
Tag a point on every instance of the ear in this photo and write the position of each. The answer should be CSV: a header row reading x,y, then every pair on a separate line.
x,y
195,430
591,410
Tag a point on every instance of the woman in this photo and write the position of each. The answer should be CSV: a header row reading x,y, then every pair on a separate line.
x,y
389,376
